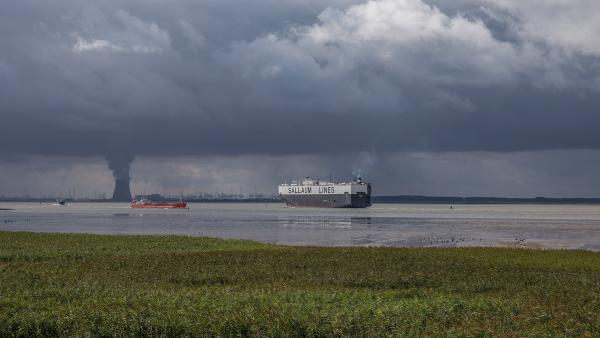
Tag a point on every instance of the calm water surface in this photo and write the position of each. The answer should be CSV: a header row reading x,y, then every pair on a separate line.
x,y
412,225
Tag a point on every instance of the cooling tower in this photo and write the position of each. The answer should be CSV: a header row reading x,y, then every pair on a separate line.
x,y
121,193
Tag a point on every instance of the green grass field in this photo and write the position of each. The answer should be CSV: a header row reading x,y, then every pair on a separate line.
x,y
93,285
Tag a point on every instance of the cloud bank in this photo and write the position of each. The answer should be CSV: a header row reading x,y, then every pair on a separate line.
x,y
383,75
197,79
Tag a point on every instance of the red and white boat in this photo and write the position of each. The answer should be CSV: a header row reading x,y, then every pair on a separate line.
x,y
147,204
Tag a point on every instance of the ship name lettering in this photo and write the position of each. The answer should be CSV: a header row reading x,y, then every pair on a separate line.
x,y
299,190
326,190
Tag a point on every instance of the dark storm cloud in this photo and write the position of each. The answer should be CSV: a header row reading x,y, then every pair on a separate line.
x,y
227,78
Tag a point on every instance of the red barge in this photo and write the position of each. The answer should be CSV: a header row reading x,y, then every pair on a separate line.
x,y
146,204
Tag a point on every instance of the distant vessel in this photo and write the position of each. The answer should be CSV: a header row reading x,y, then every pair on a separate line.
x,y
60,202
147,204
316,193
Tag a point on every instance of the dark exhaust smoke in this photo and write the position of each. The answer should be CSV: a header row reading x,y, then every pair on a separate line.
x,y
120,165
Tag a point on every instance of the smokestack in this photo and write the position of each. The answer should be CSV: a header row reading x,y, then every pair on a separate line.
x,y
120,165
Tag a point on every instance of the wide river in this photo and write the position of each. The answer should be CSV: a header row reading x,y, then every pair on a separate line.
x,y
400,225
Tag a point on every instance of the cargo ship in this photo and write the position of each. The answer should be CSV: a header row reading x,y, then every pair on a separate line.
x,y
316,193
147,204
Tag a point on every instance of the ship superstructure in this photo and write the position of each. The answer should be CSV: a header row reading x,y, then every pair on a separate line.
x,y
316,193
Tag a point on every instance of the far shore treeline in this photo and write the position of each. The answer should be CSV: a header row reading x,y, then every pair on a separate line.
x,y
401,199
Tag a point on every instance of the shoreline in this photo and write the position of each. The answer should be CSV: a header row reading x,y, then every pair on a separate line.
x,y
517,244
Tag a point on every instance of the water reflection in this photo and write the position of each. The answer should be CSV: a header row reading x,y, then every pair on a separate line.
x,y
321,221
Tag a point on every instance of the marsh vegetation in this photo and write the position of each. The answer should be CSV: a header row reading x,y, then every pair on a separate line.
x,y
96,285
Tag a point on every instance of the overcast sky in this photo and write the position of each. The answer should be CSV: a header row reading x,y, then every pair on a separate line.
x,y
487,97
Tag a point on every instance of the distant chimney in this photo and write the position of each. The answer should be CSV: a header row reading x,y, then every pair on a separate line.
x,y
121,193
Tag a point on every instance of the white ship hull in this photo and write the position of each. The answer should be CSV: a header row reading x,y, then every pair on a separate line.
x,y
310,193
